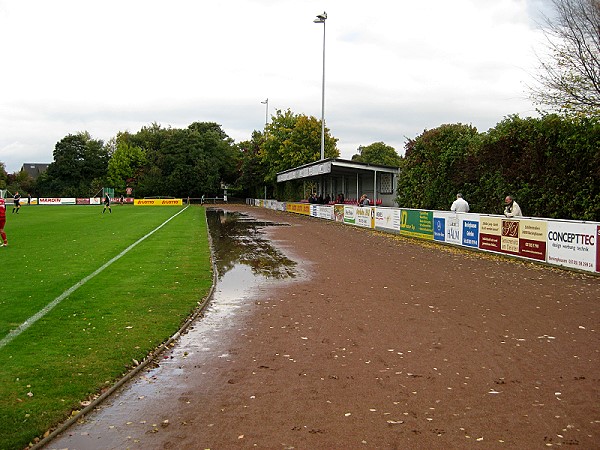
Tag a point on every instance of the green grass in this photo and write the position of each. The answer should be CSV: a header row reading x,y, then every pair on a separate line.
x,y
88,341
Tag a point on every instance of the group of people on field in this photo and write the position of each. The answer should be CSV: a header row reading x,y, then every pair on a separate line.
x,y
511,208
17,206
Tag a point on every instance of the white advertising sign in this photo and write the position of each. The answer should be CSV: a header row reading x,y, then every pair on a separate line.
x,y
349,214
572,245
49,201
387,219
325,212
364,216
446,227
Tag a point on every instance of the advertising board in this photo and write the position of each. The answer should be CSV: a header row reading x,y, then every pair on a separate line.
x,y
416,223
365,216
338,212
532,239
158,202
490,233
446,227
298,208
573,245
325,212
470,232
349,214
387,219
49,201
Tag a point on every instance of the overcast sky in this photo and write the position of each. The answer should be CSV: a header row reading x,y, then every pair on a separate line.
x,y
393,68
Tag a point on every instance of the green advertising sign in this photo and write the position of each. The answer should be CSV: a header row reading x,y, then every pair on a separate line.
x,y
416,223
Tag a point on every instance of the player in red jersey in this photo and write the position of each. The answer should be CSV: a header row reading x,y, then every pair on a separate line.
x,y
3,222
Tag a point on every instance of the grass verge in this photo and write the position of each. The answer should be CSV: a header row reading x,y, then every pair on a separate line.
x,y
90,339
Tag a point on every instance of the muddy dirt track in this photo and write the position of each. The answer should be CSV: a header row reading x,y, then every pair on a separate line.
x,y
380,342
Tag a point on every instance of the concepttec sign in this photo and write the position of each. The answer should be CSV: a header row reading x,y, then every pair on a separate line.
x,y
158,202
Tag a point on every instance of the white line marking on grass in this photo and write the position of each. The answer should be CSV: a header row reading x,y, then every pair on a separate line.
x,y
37,316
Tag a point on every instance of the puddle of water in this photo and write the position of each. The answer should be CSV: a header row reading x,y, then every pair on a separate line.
x,y
245,260
238,239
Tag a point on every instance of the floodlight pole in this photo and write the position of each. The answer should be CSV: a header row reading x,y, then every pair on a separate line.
x,y
321,18
266,102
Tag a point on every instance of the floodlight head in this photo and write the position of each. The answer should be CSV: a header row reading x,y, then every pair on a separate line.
x,y
321,18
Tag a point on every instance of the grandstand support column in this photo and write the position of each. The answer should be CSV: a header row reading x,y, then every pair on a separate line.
x,y
375,187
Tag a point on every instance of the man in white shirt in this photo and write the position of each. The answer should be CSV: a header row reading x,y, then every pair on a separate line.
x,y
460,204
511,208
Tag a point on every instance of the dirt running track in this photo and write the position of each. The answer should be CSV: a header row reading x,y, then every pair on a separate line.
x,y
383,343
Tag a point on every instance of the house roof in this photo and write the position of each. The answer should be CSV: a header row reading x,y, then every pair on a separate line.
x,y
34,170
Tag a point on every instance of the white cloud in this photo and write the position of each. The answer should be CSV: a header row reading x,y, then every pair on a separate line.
x,y
393,69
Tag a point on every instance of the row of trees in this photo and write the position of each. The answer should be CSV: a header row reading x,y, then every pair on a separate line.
x,y
192,162
550,164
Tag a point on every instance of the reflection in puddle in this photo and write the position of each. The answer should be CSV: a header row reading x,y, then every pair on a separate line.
x,y
237,239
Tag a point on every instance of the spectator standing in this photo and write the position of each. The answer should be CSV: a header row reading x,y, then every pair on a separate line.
x,y
511,208
460,204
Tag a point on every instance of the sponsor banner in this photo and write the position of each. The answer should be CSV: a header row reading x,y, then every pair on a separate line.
x,y
470,232
387,219
532,239
416,223
490,233
453,232
573,245
325,212
446,227
158,202
83,201
98,200
49,201
299,208
338,213
509,242
439,228
349,214
365,216
68,201
598,250
269,204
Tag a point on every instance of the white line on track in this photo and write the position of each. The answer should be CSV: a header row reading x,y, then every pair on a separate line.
x,y
37,316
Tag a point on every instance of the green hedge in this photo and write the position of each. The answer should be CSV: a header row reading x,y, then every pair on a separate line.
x,y
551,165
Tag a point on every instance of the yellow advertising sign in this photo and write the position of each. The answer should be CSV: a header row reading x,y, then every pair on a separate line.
x,y
298,208
158,202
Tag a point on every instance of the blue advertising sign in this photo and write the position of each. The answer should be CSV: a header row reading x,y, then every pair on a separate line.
x,y
439,229
470,233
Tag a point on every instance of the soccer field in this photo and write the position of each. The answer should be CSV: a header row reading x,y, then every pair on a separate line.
x,y
84,294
